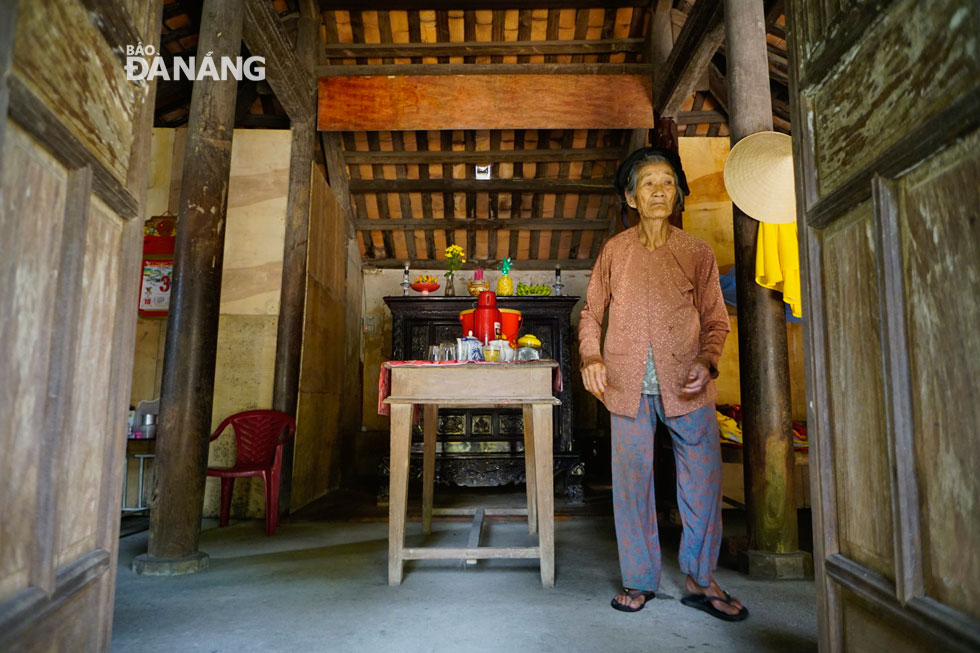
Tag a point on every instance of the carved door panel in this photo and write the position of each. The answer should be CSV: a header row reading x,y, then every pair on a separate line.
x,y
885,131
74,148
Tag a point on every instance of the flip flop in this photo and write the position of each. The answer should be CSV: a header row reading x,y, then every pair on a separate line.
x,y
704,603
633,594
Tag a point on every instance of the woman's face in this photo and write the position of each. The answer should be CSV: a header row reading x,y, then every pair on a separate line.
x,y
656,192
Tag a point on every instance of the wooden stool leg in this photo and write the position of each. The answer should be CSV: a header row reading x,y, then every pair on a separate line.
x,y
544,482
430,419
532,498
401,436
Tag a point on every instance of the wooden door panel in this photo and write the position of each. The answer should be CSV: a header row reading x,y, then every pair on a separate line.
x,y
886,108
55,633
92,429
75,142
875,94
860,448
941,247
868,627
68,64
33,184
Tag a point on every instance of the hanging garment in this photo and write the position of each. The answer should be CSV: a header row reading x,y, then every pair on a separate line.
x,y
777,263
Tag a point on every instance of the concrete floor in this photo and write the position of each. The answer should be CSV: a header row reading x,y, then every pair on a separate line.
x,y
322,586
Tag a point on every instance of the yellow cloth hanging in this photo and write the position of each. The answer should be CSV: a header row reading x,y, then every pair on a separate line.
x,y
777,262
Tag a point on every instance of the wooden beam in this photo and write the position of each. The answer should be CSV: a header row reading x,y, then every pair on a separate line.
x,y
718,86
519,264
466,5
292,295
539,224
485,156
700,117
488,186
661,36
394,70
337,174
485,102
265,36
700,37
480,48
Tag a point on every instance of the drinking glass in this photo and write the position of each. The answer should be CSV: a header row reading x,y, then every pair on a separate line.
x,y
433,353
447,351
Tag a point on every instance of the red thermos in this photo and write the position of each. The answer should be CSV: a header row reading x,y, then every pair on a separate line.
x,y
485,315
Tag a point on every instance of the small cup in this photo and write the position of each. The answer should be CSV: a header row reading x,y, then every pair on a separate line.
x,y
433,353
491,354
447,351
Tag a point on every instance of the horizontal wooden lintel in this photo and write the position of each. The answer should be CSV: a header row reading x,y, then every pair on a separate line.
x,y
360,186
403,70
478,48
465,5
486,156
532,224
494,100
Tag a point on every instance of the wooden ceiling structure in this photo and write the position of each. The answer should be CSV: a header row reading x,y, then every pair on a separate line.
x,y
549,202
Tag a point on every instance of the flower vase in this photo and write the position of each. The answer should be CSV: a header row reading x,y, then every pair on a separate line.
x,y
450,286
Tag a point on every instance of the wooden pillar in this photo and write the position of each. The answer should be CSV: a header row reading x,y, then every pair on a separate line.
x,y
292,298
763,359
192,330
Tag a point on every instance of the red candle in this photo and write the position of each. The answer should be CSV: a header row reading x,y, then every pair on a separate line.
x,y
478,274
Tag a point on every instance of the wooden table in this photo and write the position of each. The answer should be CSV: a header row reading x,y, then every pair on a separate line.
x,y
528,384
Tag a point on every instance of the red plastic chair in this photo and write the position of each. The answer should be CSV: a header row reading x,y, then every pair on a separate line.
x,y
259,436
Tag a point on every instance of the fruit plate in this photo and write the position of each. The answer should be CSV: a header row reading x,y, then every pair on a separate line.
x,y
424,288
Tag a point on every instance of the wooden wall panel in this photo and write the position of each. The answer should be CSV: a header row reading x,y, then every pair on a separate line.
x,y
251,277
941,246
33,184
876,93
857,393
324,373
82,446
485,102
252,273
94,101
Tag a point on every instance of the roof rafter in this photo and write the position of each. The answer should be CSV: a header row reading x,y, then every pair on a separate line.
x,y
265,35
700,37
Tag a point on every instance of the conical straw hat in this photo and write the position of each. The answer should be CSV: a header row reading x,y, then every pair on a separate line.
x,y
759,177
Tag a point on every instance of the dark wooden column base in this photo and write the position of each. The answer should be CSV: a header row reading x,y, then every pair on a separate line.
x,y
797,565
147,565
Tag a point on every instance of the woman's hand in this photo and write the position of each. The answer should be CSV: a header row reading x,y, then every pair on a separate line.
x,y
594,378
698,376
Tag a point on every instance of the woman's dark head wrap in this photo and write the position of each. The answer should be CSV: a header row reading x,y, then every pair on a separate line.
x,y
629,167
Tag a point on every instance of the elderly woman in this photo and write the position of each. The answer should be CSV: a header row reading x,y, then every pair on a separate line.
x,y
667,325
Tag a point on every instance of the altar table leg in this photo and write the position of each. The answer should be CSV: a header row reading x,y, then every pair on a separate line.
x,y
544,482
430,417
532,500
401,437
